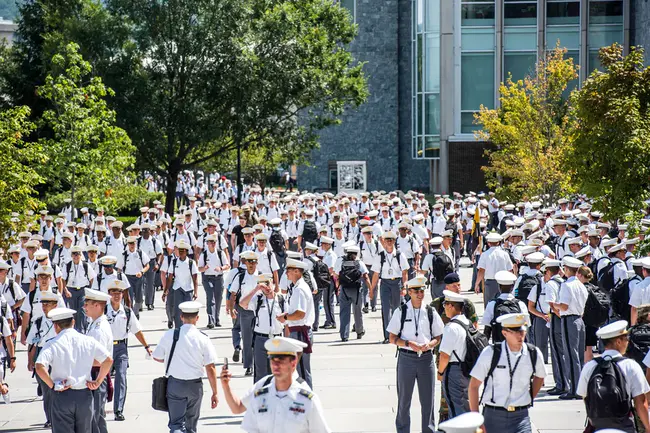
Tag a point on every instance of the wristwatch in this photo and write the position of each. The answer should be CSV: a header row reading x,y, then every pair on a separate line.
x,y
286,316
406,343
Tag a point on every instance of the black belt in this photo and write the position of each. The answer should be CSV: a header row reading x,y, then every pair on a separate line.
x,y
508,409
259,334
570,315
392,279
412,352
119,341
77,288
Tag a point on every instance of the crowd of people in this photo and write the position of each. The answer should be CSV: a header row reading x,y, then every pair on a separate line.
x,y
556,279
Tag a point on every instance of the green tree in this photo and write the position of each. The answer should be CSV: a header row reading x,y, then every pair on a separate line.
x,y
18,177
528,132
210,76
611,126
86,151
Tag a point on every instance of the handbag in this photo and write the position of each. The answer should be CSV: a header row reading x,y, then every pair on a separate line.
x,y
159,386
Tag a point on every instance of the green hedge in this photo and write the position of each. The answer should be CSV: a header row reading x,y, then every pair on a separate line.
x,y
125,201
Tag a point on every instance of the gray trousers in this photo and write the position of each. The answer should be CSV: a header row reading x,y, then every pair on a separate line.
x,y
411,271
72,411
490,291
149,283
318,299
365,291
350,298
184,401
76,302
506,422
474,269
99,411
573,331
213,286
169,305
304,365
180,296
437,288
136,293
329,298
47,398
454,388
557,353
540,334
242,334
261,356
120,364
411,367
390,300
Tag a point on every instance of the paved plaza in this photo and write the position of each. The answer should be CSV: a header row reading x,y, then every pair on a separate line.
x,y
355,381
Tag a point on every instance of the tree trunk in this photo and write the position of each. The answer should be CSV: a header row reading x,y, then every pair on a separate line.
x,y
170,194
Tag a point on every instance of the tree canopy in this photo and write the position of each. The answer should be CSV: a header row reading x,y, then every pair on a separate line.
x,y
611,125
529,132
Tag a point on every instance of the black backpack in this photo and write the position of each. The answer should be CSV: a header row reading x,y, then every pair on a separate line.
x,y
321,273
309,231
620,300
526,285
607,396
277,243
606,277
501,307
637,349
475,342
350,275
597,306
441,266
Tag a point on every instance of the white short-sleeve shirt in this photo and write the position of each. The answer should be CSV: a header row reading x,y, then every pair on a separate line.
x,y
416,322
193,352
635,380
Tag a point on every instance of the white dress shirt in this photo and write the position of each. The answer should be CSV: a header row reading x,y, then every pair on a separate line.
x,y
299,298
416,325
635,381
493,260
101,331
454,339
574,294
118,321
192,353
392,267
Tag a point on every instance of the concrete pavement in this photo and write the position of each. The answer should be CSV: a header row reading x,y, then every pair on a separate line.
x,y
355,381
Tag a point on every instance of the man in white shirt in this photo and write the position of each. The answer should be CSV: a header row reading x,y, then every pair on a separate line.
x,y
213,262
77,276
134,263
350,280
329,295
150,246
182,280
186,352
71,355
493,260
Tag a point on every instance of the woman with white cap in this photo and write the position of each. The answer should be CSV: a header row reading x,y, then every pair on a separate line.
x,y
571,304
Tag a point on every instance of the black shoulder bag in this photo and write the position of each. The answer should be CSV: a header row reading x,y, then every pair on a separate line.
x,y
159,386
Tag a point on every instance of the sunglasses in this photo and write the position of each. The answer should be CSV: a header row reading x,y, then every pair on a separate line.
x,y
280,358
251,261
41,260
76,254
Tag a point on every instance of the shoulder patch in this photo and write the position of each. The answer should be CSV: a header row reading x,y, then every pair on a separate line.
x,y
261,391
306,394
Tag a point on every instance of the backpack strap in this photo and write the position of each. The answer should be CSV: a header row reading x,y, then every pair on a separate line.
x,y
429,309
532,352
496,355
177,333
403,310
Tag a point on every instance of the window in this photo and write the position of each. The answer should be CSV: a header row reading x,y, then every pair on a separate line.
x,y
477,85
333,179
605,12
351,6
605,28
477,13
562,12
519,65
519,13
426,79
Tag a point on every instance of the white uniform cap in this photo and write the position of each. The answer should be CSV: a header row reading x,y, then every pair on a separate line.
x,y
96,295
403,225
337,226
574,241
583,252
144,209
57,314
603,226
636,262
505,277
258,227
284,346
261,237
494,237
450,212
617,247
367,230
536,257
275,221
108,260
4,266
622,227
247,231
49,296
31,244
190,307
44,270
596,214
373,213
77,249
249,255
527,249
211,238
514,321
571,262
645,262
612,330
552,263
41,254
116,284
296,264
453,296
416,283
352,249
131,239
295,254
436,240
594,233
264,278
608,242
447,234
326,240
311,246
558,222
468,422
118,224
182,245
389,235
632,241
509,207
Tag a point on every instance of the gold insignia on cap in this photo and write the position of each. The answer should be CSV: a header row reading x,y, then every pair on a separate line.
x,y
276,343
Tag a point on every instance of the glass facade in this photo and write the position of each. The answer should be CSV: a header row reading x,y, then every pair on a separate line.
x,y
350,5
481,63
426,79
